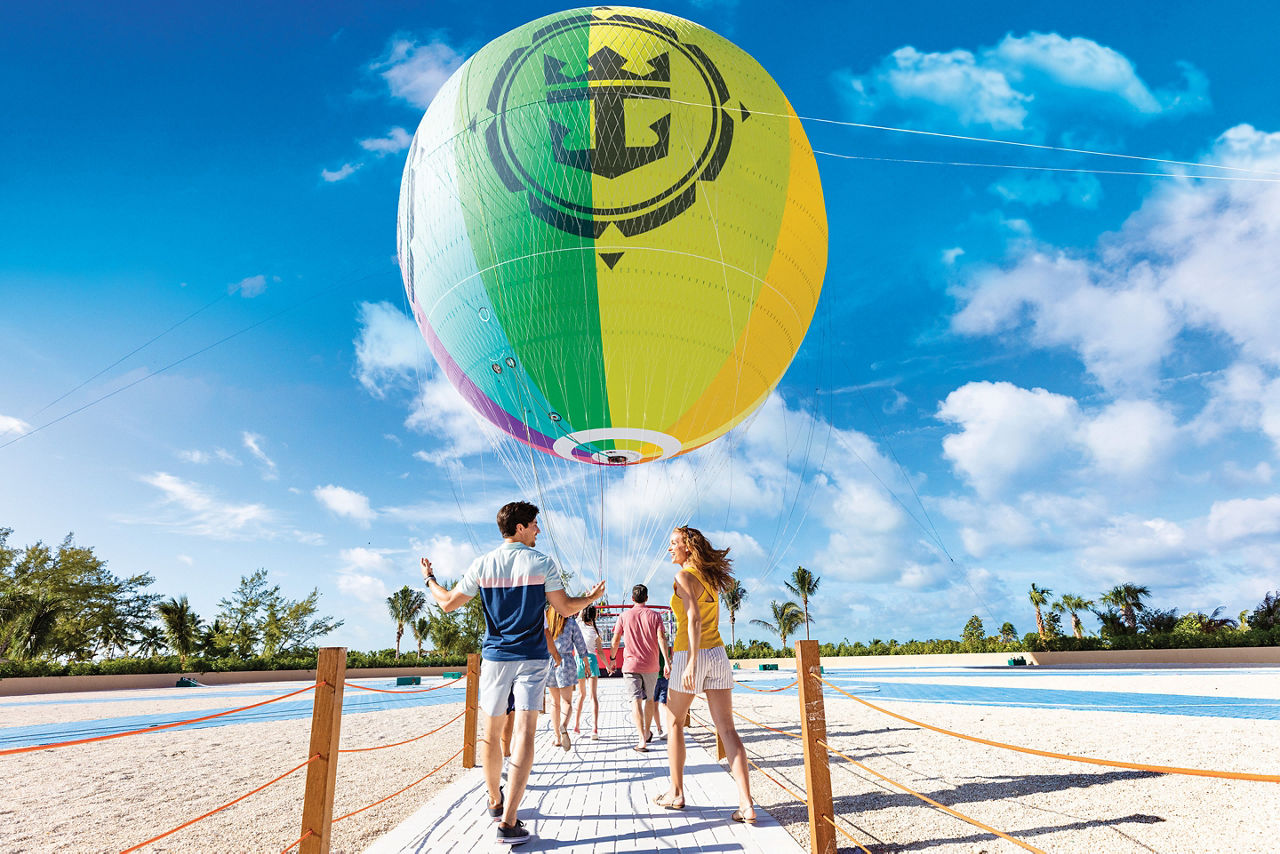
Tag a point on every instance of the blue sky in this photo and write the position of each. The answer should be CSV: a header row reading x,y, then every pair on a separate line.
x,y
1014,376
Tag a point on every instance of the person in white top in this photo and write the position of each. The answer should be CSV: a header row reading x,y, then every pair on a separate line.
x,y
589,671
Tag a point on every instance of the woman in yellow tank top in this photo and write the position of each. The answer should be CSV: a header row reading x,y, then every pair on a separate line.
x,y
699,664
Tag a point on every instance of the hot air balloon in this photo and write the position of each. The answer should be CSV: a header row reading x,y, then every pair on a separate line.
x,y
612,234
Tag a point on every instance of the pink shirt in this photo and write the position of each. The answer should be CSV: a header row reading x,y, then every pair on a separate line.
x,y
638,627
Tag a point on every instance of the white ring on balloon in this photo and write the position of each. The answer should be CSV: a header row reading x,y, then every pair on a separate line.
x,y
565,445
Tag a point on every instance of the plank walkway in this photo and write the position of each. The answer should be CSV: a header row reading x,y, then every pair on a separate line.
x,y
596,798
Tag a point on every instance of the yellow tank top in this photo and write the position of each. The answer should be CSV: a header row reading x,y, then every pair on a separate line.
x,y
708,607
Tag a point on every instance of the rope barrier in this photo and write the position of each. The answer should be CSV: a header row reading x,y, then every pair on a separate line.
x,y
157,728
766,690
417,691
298,842
224,806
406,741
402,791
930,800
778,782
1157,769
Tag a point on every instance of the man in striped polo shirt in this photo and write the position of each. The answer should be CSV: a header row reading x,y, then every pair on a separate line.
x,y
515,582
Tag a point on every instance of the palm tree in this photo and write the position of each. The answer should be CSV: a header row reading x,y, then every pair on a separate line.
x,y
732,597
804,584
150,641
1039,597
403,605
787,617
1128,598
420,628
1073,604
181,626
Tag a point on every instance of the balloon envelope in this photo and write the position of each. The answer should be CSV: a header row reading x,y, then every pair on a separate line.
x,y
612,234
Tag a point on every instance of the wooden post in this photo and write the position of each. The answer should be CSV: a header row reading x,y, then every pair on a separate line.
x,y
720,754
326,725
473,702
813,728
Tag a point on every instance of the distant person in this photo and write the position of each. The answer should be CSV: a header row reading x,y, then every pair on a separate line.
x,y
699,664
589,671
514,582
660,697
564,671
645,635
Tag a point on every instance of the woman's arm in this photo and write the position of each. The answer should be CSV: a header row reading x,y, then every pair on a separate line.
x,y
551,646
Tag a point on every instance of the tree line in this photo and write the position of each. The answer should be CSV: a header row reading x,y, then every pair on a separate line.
x,y
63,606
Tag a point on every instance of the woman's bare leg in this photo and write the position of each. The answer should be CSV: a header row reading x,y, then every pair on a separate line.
x,y
582,701
678,704
595,705
720,702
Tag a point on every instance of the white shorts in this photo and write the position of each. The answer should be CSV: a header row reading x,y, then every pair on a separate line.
x,y
711,673
500,680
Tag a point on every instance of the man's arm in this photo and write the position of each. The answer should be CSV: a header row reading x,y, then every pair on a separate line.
x,y
568,606
448,600
663,645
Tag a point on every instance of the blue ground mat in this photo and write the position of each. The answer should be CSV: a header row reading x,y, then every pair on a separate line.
x,y
865,683
354,701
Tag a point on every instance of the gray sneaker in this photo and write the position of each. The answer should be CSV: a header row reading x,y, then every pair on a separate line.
x,y
514,835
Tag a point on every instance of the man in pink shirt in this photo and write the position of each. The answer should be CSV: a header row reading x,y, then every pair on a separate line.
x,y
645,635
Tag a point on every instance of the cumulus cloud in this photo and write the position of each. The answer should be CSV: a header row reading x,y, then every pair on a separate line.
x,y
414,72
389,348
343,172
361,574
449,557
253,442
1129,436
346,503
396,140
1244,518
1022,84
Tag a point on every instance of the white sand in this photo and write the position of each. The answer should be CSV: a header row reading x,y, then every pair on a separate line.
x,y
110,795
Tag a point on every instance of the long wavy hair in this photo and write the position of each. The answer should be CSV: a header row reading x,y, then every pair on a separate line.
x,y
712,563
555,622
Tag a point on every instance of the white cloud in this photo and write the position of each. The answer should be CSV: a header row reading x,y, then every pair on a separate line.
x,y
1195,264
365,588
441,412
346,503
187,559
1006,433
202,514
449,557
361,574
340,174
397,139
415,72
1021,85
198,457
250,286
389,348
1243,518
10,424
253,442
950,256
1129,436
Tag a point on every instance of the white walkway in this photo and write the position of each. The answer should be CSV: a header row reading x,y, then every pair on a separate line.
x,y
596,798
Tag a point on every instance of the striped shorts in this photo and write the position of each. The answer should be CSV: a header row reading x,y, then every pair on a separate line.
x,y
711,673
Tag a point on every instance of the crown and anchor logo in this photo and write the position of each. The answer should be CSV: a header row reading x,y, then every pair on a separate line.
x,y
611,82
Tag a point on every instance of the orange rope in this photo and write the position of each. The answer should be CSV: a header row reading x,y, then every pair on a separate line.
x,y
298,841
224,806
406,741
930,800
417,691
1158,769
779,783
405,789
766,726
766,690
13,750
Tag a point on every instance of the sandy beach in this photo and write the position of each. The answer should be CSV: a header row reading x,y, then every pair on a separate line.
x,y
110,795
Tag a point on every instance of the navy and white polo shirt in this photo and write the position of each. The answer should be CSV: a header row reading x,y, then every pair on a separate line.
x,y
512,582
